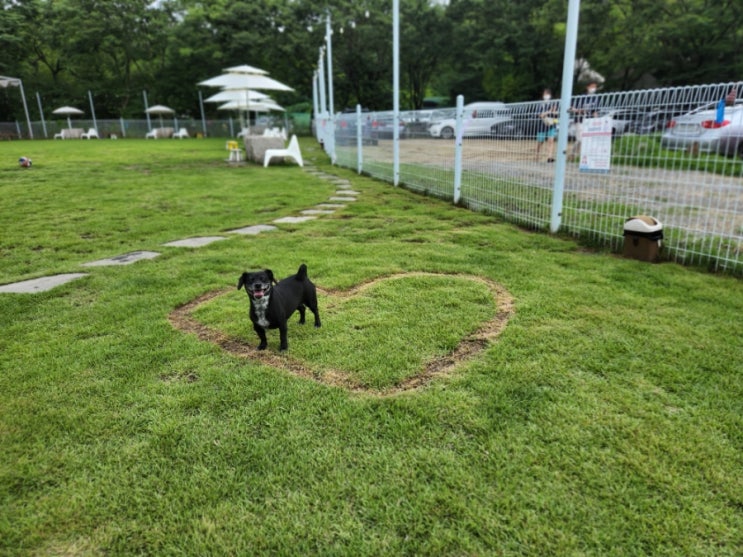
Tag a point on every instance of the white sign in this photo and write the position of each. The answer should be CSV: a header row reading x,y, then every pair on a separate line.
x,y
595,147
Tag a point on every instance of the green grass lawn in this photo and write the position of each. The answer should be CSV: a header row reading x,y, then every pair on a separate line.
x,y
606,418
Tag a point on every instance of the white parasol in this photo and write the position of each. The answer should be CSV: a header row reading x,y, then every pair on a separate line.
x,y
265,105
244,79
229,96
160,109
68,111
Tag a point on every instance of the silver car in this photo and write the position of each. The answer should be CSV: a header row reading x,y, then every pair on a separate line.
x,y
699,129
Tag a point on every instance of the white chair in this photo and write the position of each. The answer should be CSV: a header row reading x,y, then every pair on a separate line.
x,y
152,134
181,133
92,133
59,135
243,133
291,152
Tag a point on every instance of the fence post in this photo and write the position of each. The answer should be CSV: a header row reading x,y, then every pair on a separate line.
x,y
566,94
395,92
458,150
359,140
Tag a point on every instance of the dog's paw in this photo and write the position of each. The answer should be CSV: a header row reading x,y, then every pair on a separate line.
x,y
262,346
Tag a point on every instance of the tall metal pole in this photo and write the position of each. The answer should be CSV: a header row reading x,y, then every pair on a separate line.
x,y
92,110
396,92
330,148
323,119
203,116
25,108
568,67
41,113
146,106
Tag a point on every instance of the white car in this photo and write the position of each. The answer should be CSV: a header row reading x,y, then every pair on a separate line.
x,y
478,118
700,128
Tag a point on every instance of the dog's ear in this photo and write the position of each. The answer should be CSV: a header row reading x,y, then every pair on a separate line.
x,y
269,272
243,281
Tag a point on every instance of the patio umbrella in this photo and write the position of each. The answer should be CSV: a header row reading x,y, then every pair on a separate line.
x,y
160,109
265,105
236,95
244,79
68,111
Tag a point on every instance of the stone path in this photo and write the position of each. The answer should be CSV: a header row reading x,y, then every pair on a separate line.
x,y
343,195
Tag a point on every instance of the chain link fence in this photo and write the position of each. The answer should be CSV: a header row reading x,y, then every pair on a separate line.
x,y
675,154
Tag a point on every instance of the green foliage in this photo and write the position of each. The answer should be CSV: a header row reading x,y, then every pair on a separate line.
x,y
482,49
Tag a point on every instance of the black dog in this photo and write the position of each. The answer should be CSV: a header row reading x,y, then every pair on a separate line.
x,y
271,306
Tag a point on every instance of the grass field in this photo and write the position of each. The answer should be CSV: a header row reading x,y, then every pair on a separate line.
x,y
603,417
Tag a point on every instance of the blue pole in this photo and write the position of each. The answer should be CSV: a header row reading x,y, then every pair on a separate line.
x,y
568,67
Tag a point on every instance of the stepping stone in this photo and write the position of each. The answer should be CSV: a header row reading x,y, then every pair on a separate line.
x,y
317,212
125,259
40,284
342,199
293,220
347,192
331,205
253,230
195,242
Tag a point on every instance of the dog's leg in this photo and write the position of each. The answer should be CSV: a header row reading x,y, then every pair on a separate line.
x,y
300,309
312,304
262,335
282,334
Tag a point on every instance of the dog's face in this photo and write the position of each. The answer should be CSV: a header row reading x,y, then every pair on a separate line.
x,y
257,284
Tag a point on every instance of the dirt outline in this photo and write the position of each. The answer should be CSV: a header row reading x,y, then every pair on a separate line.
x,y
181,319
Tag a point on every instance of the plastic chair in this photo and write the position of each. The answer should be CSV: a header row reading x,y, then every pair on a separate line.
x,y
291,152
92,133
181,133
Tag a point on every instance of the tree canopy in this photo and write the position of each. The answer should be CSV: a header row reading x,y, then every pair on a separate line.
x,y
482,49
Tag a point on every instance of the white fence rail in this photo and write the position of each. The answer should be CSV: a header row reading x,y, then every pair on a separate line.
x,y
675,154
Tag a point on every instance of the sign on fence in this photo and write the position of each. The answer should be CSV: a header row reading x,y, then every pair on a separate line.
x,y
595,148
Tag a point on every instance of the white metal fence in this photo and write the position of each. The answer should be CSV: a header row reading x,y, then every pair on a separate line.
x,y
675,154
137,128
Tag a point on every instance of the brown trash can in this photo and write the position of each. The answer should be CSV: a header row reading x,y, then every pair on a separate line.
x,y
643,237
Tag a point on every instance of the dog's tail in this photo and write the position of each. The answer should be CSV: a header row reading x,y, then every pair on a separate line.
x,y
302,272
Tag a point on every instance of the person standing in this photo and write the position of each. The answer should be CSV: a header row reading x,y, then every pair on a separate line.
x,y
586,106
547,125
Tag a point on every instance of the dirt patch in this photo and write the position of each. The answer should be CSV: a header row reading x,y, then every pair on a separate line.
x,y
182,319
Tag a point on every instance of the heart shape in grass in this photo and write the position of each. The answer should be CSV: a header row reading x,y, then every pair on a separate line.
x,y
388,335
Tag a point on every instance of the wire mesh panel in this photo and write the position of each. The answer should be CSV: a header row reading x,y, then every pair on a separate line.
x,y
675,154
667,161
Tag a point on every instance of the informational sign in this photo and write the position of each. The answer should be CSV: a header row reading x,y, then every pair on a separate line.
x,y
595,147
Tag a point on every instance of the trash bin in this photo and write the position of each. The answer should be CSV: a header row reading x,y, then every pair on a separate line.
x,y
642,238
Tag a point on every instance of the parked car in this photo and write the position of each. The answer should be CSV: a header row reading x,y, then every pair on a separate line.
x,y
700,129
479,117
383,126
656,120
622,119
731,141
345,129
523,123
